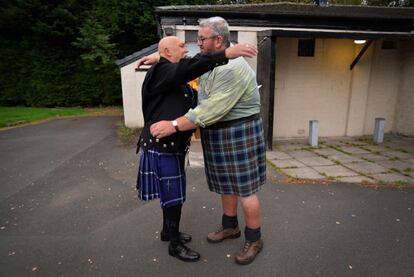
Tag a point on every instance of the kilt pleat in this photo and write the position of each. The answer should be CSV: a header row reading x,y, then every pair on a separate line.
x,y
235,158
161,175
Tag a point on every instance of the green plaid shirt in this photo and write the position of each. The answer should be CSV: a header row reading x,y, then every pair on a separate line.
x,y
227,92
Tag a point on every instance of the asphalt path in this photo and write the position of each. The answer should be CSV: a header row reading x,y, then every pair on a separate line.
x,y
68,207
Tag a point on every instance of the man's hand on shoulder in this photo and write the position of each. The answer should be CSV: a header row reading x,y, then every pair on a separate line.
x,y
241,50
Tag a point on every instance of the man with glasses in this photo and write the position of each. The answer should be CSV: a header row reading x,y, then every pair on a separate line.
x,y
232,138
202,39
165,96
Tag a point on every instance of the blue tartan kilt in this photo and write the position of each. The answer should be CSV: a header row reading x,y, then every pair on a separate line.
x,y
235,158
161,175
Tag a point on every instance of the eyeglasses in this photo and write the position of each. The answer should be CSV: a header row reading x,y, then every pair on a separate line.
x,y
202,39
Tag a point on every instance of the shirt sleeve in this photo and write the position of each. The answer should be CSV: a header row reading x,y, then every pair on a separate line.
x,y
226,90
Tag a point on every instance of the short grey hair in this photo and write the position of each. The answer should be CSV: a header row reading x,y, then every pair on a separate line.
x,y
219,26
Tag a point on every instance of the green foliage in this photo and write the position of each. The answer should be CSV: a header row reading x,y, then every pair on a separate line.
x,y
11,116
62,52
126,134
389,3
42,66
96,41
37,76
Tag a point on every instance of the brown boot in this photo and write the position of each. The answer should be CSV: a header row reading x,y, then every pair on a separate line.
x,y
249,252
222,234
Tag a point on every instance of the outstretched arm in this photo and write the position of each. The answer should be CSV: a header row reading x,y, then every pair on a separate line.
x,y
239,50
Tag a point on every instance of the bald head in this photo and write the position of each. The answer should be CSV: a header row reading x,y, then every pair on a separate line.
x,y
166,43
172,48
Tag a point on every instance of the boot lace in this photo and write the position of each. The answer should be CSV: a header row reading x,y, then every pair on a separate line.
x,y
246,246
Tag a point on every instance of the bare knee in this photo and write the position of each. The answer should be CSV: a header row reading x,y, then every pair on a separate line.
x,y
252,200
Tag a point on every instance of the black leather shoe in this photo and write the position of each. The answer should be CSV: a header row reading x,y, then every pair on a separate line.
x,y
184,238
183,253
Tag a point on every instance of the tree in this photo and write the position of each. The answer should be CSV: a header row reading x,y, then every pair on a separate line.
x,y
63,52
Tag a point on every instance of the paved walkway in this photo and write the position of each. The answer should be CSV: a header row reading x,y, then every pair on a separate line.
x,y
68,207
353,160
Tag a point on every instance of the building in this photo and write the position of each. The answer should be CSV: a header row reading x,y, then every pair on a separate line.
x,y
309,64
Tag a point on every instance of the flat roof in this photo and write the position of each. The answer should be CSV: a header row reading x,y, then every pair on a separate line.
x,y
294,15
281,8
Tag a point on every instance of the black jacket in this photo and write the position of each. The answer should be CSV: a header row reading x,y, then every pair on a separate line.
x,y
167,96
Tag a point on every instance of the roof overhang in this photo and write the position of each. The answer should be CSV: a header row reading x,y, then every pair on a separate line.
x,y
294,20
329,33
290,19
137,55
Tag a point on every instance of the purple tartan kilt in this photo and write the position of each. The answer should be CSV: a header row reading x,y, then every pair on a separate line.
x,y
161,175
235,158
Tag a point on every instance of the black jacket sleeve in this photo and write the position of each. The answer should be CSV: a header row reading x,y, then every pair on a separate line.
x,y
187,69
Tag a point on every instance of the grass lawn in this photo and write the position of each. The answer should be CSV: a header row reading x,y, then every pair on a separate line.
x,y
11,116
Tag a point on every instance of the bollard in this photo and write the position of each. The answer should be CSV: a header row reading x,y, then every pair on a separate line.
x,y
313,132
379,130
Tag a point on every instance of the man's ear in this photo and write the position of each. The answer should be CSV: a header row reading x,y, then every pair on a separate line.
x,y
219,41
167,52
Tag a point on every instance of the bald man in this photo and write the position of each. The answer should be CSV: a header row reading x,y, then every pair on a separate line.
x,y
232,139
166,96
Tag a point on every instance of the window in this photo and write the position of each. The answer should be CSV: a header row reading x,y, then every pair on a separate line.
x,y
234,37
190,36
169,31
306,47
191,42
